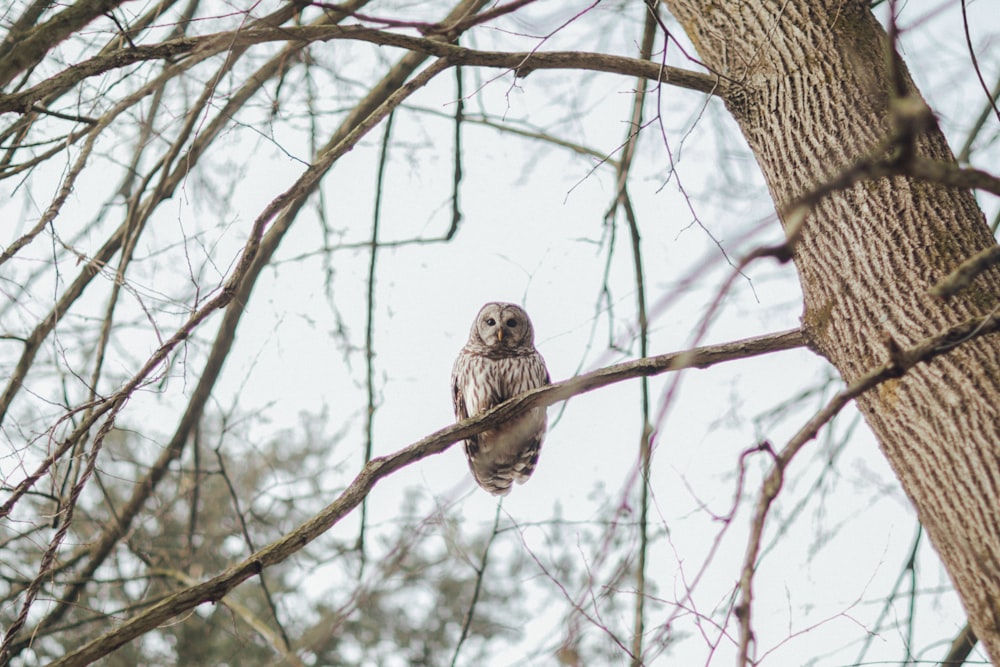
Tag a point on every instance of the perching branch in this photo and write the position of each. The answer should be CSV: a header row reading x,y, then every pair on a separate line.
x,y
217,587
212,590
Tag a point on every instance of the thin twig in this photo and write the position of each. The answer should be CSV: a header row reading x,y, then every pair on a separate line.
x,y
965,154
623,201
370,329
480,575
975,61
286,644
456,175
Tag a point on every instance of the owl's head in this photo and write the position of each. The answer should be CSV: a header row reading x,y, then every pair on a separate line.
x,y
502,326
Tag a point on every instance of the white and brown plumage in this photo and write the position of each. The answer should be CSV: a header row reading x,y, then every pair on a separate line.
x,y
499,362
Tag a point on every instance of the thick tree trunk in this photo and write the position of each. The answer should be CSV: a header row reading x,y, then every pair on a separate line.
x,y
815,98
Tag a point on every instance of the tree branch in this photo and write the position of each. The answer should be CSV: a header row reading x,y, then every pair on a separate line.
x,y
35,43
961,647
391,91
963,276
220,42
900,361
217,587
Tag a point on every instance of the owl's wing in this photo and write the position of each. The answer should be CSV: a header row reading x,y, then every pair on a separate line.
x,y
463,378
459,376
538,373
545,372
458,397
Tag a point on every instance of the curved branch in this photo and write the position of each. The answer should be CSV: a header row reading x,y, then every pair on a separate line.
x,y
217,587
900,361
32,46
522,62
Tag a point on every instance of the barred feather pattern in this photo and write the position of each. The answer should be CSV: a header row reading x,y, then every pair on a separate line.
x,y
499,362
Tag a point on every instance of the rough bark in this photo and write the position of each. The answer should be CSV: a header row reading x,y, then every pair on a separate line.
x,y
815,96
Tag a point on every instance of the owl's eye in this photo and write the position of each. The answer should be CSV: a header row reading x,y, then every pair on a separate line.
x,y
490,321
512,323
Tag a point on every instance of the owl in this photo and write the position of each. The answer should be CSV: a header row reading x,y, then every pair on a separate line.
x,y
499,362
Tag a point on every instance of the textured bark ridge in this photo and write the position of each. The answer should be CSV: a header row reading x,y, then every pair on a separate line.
x,y
814,99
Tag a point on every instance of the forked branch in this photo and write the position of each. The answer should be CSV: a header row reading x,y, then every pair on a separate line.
x,y
900,361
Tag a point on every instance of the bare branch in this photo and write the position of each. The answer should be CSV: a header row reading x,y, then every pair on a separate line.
x,y
966,272
480,575
370,328
622,201
36,42
949,173
975,61
208,45
378,468
900,361
961,647
277,642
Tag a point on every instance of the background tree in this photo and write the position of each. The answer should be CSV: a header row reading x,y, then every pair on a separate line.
x,y
243,248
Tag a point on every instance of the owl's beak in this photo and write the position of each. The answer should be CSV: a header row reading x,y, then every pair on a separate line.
x,y
500,335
